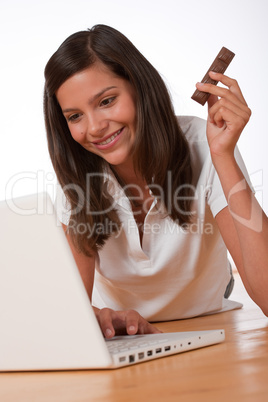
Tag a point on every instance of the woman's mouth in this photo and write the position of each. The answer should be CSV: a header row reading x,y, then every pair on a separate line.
x,y
109,141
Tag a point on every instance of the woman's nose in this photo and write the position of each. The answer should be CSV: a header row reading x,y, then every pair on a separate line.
x,y
96,125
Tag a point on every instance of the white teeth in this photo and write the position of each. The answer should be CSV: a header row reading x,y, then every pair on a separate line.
x,y
110,139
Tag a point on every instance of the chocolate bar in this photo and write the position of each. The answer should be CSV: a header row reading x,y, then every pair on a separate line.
x,y
219,65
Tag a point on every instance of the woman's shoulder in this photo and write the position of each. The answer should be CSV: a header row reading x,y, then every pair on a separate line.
x,y
194,130
193,127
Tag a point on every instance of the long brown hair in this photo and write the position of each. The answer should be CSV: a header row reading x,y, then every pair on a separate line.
x,y
160,146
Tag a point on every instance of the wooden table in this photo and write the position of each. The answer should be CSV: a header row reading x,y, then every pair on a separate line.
x,y
236,370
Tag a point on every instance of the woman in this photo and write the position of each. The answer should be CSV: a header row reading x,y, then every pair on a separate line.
x,y
154,201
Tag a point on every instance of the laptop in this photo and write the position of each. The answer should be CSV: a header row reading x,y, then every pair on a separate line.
x,y
46,319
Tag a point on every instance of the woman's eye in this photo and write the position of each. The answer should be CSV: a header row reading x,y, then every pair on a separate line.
x,y
73,117
107,102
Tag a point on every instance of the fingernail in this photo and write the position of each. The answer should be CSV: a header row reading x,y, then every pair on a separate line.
x,y
213,72
108,332
131,328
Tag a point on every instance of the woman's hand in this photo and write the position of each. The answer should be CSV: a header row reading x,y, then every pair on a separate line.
x,y
123,322
228,114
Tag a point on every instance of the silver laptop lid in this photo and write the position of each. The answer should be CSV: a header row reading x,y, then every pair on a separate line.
x,y
45,315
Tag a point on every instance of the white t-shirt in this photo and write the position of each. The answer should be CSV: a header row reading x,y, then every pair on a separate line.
x,y
176,272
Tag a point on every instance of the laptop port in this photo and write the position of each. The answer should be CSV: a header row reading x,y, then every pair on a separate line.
x,y
158,350
131,359
167,348
141,355
122,359
149,353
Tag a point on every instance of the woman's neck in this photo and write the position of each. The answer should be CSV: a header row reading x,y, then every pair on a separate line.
x,y
137,191
127,174
133,184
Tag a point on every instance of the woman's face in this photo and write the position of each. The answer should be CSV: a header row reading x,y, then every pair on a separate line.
x,y
100,110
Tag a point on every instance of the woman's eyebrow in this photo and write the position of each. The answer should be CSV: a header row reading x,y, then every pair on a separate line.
x,y
91,100
101,93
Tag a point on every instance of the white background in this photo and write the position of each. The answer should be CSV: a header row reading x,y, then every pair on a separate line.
x,y
179,37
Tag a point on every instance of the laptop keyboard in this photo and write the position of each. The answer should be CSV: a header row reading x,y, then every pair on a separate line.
x,y
130,344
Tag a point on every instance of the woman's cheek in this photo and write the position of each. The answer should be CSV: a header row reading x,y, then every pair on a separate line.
x,y
76,133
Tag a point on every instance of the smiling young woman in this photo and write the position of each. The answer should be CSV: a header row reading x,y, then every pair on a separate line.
x,y
142,186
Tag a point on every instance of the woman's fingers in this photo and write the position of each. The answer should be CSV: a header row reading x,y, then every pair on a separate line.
x,y
133,322
228,114
225,104
123,322
232,92
224,111
105,319
144,327
231,83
